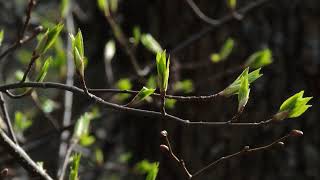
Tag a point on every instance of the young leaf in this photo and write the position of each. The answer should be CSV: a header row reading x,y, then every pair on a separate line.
x,y
78,52
186,86
64,7
244,91
82,126
224,52
163,70
99,156
151,169
136,35
48,39
21,122
150,43
75,167
293,107
123,84
87,140
1,36
143,94
233,88
109,50
43,72
259,59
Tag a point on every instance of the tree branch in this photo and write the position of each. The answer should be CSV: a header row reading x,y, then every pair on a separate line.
x,y
6,118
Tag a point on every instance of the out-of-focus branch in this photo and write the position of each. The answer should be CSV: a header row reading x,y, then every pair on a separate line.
x,y
22,158
6,118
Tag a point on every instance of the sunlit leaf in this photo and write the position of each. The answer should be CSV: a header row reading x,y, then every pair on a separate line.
x,y
259,59
244,91
43,72
148,168
75,167
142,95
82,126
64,7
150,43
163,64
48,39
21,122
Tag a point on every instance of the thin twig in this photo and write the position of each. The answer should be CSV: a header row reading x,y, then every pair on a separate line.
x,y
201,15
72,144
23,159
31,4
6,118
141,112
224,20
33,59
21,42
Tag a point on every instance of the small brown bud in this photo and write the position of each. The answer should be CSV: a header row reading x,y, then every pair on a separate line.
x,y
164,133
296,133
164,148
280,143
38,29
246,148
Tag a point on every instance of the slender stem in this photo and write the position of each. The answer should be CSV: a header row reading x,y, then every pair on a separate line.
x,y
200,14
6,118
31,4
73,143
245,150
141,112
32,61
23,159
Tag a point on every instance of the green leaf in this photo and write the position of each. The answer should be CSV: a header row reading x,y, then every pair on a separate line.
x,y
293,107
64,7
99,157
21,122
19,75
78,52
123,84
87,140
109,50
244,91
75,167
170,103
49,106
142,95
150,43
151,169
259,59
232,4
163,70
1,36
43,72
224,52
136,35
82,126
103,6
186,86
48,39
233,88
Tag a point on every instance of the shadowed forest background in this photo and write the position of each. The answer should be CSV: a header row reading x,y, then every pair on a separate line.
x,y
289,28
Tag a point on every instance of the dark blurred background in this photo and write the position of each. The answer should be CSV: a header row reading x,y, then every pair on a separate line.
x,y
290,28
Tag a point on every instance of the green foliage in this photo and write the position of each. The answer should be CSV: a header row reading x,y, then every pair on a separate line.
x,y
224,52
64,7
98,154
232,4
43,72
186,86
125,157
123,84
82,126
150,43
48,39
152,82
1,36
109,50
163,70
136,32
75,167
21,122
87,140
244,91
146,167
108,6
142,95
78,52
259,59
19,75
170,103
49,105
293,107
233,88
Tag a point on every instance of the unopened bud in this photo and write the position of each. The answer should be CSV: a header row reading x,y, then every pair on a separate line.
x,y
246,148
296,133
280,116
164,133
164,148
38,29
